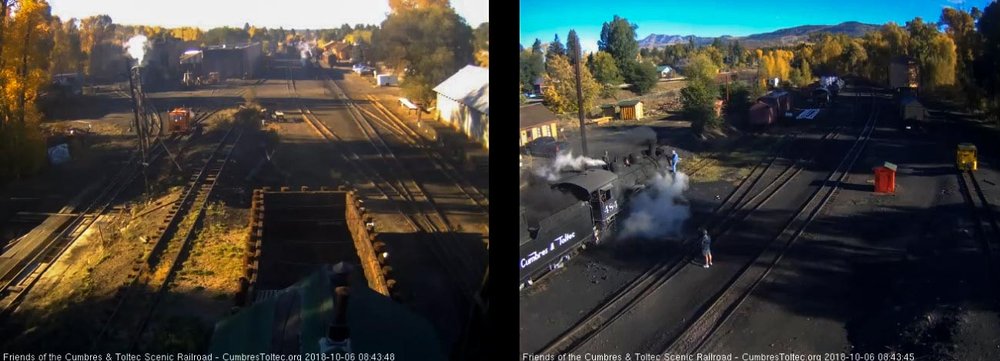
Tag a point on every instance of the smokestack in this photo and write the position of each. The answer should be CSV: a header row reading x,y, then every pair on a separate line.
x,y
338,335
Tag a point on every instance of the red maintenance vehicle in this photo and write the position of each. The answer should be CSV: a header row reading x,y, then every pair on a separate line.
x,y
769,108
180,120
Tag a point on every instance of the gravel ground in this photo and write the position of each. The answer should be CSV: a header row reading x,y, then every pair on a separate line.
x,y
909,276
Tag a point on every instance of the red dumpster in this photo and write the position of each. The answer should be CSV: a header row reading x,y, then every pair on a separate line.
x,y
885,178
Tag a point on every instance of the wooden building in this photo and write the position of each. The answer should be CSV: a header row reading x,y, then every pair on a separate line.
x,y
537,121
630,109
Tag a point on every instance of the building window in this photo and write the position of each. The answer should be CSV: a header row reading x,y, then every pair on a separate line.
x,y
545,131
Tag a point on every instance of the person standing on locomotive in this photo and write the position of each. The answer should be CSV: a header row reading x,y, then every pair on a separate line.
x,y
674,159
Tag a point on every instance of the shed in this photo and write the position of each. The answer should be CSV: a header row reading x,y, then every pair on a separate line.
x,y
609,110
463,101
537,121
885,178
665,71
631,109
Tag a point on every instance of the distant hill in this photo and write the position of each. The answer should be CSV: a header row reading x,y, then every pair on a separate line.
x,y
786,36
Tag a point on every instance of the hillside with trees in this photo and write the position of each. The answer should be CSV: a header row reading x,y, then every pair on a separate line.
x,y
957,58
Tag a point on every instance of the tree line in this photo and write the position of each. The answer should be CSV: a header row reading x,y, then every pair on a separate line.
x,y
957,57
426,39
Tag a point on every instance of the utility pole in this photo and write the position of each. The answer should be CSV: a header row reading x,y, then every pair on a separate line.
x,y
140,128
579,101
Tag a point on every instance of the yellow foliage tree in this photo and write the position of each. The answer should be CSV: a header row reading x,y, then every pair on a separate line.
x,y
483,58
776,64
942,63
560,95
186,33
25,45
397,5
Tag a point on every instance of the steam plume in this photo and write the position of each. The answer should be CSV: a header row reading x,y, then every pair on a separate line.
x,y
660,210
566,161
136,48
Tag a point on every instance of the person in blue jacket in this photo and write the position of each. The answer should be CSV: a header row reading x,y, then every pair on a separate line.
x,y
674,159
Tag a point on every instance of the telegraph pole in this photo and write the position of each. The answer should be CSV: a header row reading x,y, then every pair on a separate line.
x,y
579,99
140,129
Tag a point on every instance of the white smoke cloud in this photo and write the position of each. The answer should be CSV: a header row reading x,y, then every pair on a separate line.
x,y
136,48
660,210
566,161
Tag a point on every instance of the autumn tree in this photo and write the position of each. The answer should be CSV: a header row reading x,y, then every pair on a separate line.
x,y
481,38
25,43
606,73
701,67
97,43
186,33
961,28
934,52
775,63
67,56
431,42
402,5
986,65
560,94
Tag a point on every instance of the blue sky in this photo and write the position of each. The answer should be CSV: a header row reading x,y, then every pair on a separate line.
x,y
312,14
543,19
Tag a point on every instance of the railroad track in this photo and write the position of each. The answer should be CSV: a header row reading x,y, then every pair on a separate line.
x,y
153,271
739,288
15,285
390,121
20,280
423,216
987,229
747,197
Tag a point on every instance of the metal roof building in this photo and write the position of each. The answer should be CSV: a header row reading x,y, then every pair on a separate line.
x,y
294,321
232,61
463,100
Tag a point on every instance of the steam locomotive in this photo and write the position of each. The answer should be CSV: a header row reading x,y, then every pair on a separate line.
x,y
580,208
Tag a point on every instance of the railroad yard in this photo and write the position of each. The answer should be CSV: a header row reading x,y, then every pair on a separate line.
x,y
100,260
808,259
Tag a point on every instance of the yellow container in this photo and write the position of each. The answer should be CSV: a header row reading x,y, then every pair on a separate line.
x,y
966,157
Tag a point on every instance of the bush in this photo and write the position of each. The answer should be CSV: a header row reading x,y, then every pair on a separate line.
x,y
642,76
698,100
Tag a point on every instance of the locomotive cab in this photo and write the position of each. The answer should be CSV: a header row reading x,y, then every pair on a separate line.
x,y
598,188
